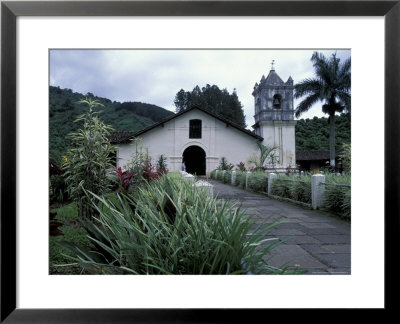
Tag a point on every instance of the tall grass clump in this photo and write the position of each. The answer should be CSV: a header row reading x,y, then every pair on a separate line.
x,y
293,187
227,177
240,179
171,227
280,188
258,181
212,174
337,195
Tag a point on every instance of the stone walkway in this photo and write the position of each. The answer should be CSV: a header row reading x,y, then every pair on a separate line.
x,y
312,240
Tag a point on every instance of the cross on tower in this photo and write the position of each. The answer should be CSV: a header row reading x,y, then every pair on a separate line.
x,y
272,65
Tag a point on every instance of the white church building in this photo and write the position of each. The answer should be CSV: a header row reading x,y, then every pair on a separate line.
x,y
201,138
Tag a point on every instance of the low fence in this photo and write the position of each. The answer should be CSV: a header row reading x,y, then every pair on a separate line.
x,y
316,199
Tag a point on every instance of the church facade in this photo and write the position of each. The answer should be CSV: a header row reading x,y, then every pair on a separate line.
x,y
201,138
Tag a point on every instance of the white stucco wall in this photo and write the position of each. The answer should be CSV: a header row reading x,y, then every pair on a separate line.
x,y
281,134
172,139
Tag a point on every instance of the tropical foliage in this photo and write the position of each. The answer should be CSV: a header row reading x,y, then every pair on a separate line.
x,y
170,227
89,160
224,164
331,85
266,154
345,157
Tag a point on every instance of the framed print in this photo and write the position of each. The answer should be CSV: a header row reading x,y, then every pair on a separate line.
x,y
30,30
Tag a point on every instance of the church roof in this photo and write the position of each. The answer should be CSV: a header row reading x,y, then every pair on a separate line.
x,y
273,79
126,137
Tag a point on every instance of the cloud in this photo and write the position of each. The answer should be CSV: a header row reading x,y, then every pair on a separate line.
x,y
155,76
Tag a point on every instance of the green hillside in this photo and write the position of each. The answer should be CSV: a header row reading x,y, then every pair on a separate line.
x,y
64,109
311,134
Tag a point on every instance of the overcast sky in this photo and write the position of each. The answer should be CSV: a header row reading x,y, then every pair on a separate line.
x,y
155,76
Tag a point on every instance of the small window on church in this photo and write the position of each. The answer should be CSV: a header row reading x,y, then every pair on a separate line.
x,y
195,128
277,101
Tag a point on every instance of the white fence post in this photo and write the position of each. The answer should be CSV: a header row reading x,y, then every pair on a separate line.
x,y
247,178
271,178
317,190
206,186
233,177
223,175
216,174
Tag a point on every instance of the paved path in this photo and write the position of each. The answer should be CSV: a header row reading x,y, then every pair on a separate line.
x,y
313,240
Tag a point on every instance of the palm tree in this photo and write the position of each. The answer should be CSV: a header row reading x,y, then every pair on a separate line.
x,y
331,86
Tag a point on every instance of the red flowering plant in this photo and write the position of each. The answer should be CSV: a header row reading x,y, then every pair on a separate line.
x,y
241,166
124,179
148,170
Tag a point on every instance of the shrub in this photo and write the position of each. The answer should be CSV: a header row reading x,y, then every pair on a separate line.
x,y
345,157
258,181
300,191
227,177
337,199
140,168
212,174
220,176
68,215
87,164
162,164
293,187
241,167
224,165
346,206
240,180
170,227
266,155
280,188
58,189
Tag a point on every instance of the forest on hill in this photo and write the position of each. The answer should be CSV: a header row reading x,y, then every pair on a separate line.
x,y
311,134
64,109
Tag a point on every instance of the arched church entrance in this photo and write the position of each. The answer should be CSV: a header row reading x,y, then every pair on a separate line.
x,y
195,160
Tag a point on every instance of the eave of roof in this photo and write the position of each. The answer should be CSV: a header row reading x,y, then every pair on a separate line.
x,y
126,137
314,155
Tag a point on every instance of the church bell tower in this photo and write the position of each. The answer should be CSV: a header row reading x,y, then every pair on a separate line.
x,y
274,116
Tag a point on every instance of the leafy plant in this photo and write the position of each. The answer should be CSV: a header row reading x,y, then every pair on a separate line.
x,y
124,179
258,181
337,199
240,179
227,177
170,227
293,187
241,167
300,191
58,188
213,174
224,165
345,157
162,164
89,161
266,155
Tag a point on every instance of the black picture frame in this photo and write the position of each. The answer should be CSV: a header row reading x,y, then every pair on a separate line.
x,y
10,10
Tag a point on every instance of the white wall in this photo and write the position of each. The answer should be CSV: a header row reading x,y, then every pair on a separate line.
x,y
281,134
172,139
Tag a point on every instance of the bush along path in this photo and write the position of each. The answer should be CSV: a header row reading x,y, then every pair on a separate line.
x,y
312,240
